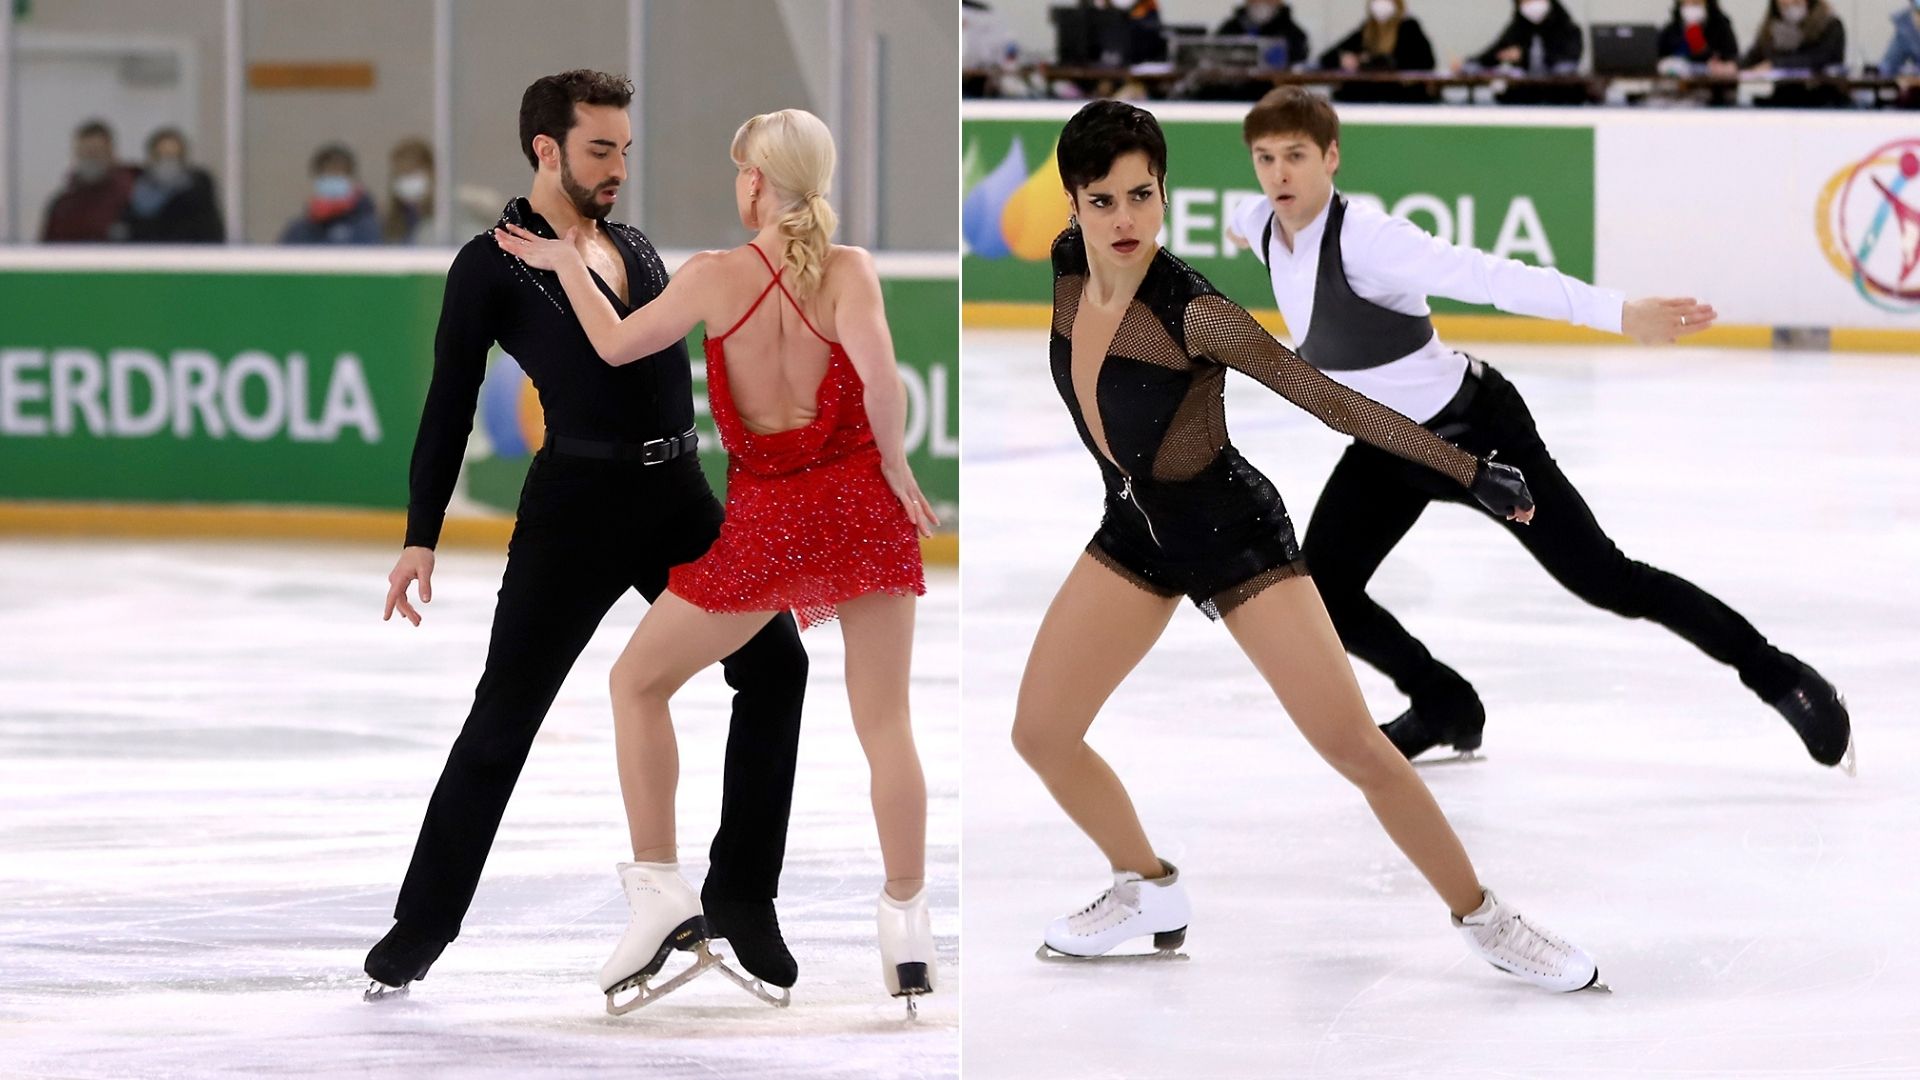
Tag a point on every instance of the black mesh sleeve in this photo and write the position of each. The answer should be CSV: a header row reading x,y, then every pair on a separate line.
x,y
1217,329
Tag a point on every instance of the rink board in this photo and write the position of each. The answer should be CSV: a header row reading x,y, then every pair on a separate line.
x,y
269,379
1786,225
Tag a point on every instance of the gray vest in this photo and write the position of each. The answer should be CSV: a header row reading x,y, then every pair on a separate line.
x,y
1349,333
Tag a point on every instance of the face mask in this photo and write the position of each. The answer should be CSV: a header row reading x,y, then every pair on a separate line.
x,y
1382,10
412,187
1535,11
332,187
167,172
89,170
1793,15
1695,14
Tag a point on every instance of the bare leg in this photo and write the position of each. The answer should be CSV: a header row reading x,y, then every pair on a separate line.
x,y
673,642
1098,629
1286,633
878,630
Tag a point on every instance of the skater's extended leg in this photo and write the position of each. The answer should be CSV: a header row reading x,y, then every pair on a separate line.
x,y
1097,629
1286,633
672,643
878,631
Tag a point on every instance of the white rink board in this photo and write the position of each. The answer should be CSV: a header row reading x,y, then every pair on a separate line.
x,y
1753,912
213,763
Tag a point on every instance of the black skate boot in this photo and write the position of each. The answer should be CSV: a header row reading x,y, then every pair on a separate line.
x,y
400,958
1449,716
753,930
1819,716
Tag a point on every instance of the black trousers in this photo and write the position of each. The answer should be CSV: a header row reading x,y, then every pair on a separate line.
x,y
1373,498
586,532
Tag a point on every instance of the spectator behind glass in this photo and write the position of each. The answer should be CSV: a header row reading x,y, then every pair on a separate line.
x,y
1268,20
1541,39
339,211
1699,34
1388,40
1904,50
409,216
96,192
172,202
1798,35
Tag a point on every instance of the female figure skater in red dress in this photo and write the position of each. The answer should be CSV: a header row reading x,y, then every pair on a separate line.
x,y
823,518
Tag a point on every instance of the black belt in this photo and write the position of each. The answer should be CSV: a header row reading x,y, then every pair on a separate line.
x,y
1451,421
651,452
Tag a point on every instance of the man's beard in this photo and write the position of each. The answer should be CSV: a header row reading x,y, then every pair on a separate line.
x,y
584,202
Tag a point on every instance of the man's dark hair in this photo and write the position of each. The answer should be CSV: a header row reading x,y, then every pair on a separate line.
x,y
161,135
333,154
92,129
547,106
1100,133
1292,110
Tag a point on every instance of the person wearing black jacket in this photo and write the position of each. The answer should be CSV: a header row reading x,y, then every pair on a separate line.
x,y
1800,35
1699,33
172,202
1540,39
1268,20
1388,40
614,497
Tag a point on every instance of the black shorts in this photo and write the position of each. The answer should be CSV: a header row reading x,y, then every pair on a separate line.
x,y
1219,539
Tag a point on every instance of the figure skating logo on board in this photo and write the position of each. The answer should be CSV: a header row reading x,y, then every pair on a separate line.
x,y
1010,213
1869,225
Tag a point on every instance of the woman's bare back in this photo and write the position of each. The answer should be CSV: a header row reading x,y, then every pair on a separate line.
x,y
775,362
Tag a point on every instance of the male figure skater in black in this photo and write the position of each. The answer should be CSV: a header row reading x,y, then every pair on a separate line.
x,y
1352,282
614,497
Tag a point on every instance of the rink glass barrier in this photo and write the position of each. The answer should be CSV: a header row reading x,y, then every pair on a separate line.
x,y
1798,229
295,380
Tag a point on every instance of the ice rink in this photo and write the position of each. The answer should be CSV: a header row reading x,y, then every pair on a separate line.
x,y
214,760
1755,913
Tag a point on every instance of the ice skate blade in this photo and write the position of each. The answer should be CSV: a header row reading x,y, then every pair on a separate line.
x,y
1051,955
703,960
379,991
752,985
1846,759
1460,757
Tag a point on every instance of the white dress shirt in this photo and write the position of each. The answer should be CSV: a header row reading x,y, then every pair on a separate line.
x,y
1396,264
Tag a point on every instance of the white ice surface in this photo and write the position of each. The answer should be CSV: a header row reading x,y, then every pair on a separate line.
x,y
213,763
1755,913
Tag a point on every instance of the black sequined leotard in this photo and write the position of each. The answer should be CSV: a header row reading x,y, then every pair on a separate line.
x,y
1185,513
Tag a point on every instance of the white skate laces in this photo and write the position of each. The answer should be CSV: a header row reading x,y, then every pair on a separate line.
x,y
1500,935
906,947
1134,907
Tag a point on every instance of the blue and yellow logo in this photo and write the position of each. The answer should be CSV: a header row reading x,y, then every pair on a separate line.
x,y
510,413
1010,213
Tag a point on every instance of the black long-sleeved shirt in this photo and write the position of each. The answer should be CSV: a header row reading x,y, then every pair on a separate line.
x,y
1411,50
492,296
1560,39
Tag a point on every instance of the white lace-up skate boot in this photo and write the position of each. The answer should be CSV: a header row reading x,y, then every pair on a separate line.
x,y
906,947
666,916
1135,907
1501,936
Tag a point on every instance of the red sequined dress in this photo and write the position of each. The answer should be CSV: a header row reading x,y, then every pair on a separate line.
x,y
810,520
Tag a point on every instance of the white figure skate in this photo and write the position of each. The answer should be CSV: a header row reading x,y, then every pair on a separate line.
x,y
1135,907
666,916
1501,936
906,947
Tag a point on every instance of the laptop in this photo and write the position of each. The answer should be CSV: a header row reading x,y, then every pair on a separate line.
x,y
1625,48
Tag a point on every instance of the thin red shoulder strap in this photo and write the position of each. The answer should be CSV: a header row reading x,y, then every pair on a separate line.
x,y
737,323
783,291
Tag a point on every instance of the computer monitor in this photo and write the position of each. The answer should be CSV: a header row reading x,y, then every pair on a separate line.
x,y
1625,48
1087,36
